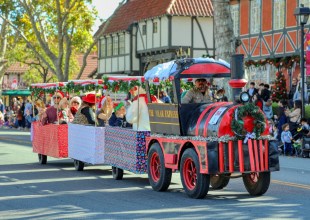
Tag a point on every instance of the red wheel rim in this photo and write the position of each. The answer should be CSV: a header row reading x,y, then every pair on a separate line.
x,y
155,167
190,173
253,177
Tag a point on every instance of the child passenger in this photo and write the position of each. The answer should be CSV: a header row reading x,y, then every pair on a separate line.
x,y
63,113
105,112
118,118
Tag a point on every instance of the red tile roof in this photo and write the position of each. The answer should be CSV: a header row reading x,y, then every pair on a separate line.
x,y
136,10
92,64
17,68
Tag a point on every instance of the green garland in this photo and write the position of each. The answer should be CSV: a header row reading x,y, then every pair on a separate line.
x,y
115,86
252,110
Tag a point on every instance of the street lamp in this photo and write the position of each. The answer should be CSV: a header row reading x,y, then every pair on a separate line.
x,y
302,14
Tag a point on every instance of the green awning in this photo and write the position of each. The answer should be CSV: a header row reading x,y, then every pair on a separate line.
x,y
16,92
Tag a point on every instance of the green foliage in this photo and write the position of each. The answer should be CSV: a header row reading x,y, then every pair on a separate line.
x,y
56,30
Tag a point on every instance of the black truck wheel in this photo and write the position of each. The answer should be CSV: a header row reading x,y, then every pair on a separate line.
x,y
117,173
79,165
219,181
42,158
256,183
159,176
195,184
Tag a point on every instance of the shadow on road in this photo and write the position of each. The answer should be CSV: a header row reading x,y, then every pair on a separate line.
x,y
56,189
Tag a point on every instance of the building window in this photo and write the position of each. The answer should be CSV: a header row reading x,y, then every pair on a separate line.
x,y
102,48
279,14
255,16
154,27
109,46
115,45
122,44
234,9
144,29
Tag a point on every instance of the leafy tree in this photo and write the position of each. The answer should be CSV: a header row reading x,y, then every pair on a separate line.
x,y
55,30
9,13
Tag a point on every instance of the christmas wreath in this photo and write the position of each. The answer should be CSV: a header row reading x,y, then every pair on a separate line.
x,y
251,110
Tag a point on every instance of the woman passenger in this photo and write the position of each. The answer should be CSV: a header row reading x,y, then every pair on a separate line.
x,y
86,113
75,104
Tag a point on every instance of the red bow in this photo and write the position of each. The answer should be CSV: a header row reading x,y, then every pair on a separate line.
x,y
153,98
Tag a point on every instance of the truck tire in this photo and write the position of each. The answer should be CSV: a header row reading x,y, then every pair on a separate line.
x,y
42,158
219,181
195,184
159,176
256,183
117,173
78,165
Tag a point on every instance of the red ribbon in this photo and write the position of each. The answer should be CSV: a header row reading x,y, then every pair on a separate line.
x,y
153,98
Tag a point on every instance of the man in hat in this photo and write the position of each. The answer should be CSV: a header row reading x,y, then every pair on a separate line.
x,y
50,115
199,94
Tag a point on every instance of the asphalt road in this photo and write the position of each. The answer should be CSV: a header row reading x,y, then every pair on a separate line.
x,y
29,190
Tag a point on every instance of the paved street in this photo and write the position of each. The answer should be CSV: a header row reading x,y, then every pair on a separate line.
x,y
56,191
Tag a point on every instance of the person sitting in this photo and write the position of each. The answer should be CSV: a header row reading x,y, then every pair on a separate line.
x,y
164,97
281,118
220,96
274,132
265,93
252,90
267,109
118,117
75,104
64,114
199,94
305,127
86,113
50,115
256,99
105,111
294,116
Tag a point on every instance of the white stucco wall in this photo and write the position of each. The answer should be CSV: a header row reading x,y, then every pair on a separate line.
x,y
207,28
141,39
181,31
164,31
156,36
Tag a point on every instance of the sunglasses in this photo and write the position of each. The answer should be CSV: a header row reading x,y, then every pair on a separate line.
x,y
56,97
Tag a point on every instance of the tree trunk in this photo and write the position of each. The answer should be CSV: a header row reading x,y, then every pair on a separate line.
x,y
223,36
3,48
223,30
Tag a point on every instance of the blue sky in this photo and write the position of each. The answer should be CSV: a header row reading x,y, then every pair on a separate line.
x,y
105,9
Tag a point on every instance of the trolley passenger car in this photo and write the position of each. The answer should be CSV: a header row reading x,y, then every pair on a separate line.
x,y
208,143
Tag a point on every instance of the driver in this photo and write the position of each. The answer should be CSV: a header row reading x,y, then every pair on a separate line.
x,y
199,94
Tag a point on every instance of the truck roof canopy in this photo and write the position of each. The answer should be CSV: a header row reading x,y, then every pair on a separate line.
x,y
189,68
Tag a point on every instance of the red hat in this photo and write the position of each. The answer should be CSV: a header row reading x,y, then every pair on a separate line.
x,y
60,93
90,98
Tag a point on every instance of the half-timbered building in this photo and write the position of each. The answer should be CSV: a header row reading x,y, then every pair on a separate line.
x,y
143,33
270,37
